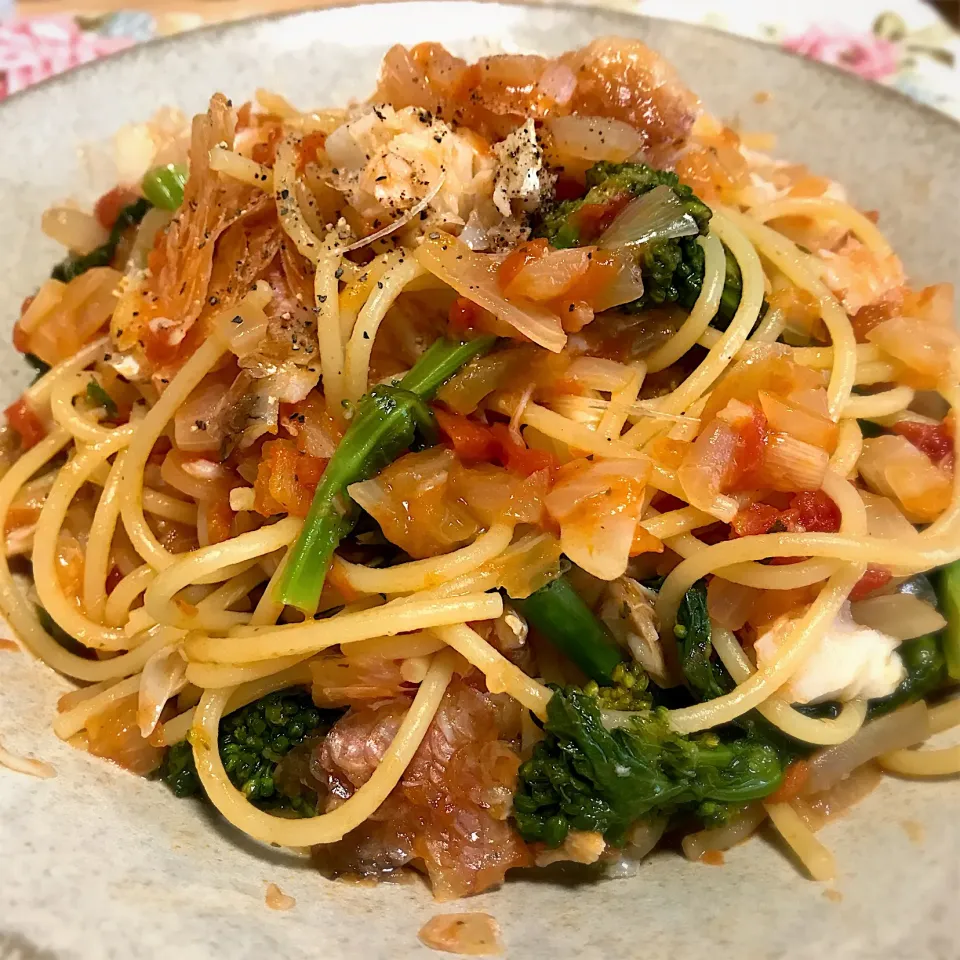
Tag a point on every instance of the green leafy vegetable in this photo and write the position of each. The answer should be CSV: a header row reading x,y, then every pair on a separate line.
x,y
102,256
584,776
179,772
926,671
629,689
384,424
100,398
948,592
732,291
163,186
557,611
672,269
253,741
706,678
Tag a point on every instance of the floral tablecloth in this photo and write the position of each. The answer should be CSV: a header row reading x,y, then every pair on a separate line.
x,y
901,43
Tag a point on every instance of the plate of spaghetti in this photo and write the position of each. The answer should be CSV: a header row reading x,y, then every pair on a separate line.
x,y
490,470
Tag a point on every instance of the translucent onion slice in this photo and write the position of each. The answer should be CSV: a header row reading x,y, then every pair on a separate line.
x,y
896,731
626,287
656,215
77,231
790,464
164,676
600,545
594,138
474,276
899,615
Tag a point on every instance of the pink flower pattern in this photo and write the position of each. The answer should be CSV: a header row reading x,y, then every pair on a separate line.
x,y
868,56
32,50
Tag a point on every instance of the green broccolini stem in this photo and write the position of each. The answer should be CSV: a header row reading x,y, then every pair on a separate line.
x,y
440,362
948,590
558,612
383,426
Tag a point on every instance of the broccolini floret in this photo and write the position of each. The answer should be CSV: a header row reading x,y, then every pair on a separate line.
x,y
603,772
672,269
629,689
179,772
253,741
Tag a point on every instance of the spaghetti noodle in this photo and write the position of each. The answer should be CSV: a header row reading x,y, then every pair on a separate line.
x,y
316,522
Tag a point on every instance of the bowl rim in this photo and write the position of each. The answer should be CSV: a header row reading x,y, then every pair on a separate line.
x,y
210,30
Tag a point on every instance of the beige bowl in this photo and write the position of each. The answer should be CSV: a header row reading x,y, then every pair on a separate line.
x,y
99,864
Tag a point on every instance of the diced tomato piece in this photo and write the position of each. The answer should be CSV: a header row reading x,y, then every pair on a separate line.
x,y
755,519
266,150
243,115
747,459
811,512
593,218
600,274
161,345
872,315
309,146
219,520
519,258
873,579
108,207
794,780
286,479
310,470
933,439
519,458
645,542
471,441
464,315
22,419
568,189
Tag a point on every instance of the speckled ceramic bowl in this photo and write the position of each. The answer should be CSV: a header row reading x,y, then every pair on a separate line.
x,y
99,864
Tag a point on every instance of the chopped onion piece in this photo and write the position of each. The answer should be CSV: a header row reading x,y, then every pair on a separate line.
x,y
558,82
194,423
893,466
625,287
600,545
79,232
474,276
896,731
790,464
276,899
898,615
656,215
28,765
164,676
695,845
594,138
470,934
